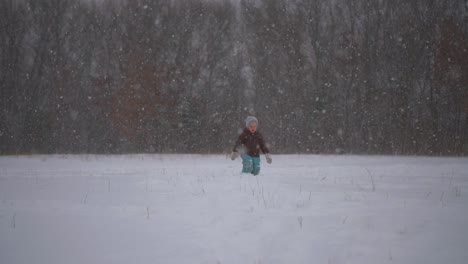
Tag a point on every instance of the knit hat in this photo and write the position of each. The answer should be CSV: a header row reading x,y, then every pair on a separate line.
x,y
249,120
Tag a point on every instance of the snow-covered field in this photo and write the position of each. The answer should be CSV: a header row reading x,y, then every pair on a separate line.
x,y
199,209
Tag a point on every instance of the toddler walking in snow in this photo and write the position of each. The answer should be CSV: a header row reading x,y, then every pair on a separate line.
x,y
252,142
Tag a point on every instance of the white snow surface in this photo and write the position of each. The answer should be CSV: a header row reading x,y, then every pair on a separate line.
x,y
200,209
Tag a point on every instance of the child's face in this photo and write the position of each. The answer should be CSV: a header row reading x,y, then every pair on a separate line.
x,y
252,127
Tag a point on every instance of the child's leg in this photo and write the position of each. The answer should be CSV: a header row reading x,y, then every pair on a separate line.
x,y
247,164
256,165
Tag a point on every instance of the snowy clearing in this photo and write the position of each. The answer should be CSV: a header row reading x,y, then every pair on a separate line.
x,y
199,209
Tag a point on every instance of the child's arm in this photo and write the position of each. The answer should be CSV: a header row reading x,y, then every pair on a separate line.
x,y
234,153
265,150
263,146
238,142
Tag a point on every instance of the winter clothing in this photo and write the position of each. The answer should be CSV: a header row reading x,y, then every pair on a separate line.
x,y
250,164
249,120
253,143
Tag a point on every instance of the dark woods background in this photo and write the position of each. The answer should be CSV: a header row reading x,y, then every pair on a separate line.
x,y
362,76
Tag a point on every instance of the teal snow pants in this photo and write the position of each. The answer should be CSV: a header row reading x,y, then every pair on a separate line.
x,y
250,164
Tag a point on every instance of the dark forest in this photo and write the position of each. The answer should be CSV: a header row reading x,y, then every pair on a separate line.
x,y
358,77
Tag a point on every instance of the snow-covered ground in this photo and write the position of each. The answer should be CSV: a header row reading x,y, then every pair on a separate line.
x,y
199,209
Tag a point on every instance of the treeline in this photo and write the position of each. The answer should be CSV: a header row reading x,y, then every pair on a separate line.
x,y
364,76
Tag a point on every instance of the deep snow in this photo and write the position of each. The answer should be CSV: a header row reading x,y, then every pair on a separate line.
x,y
200,209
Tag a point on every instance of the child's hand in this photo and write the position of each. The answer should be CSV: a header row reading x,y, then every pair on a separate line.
x,y
268,158
234,155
